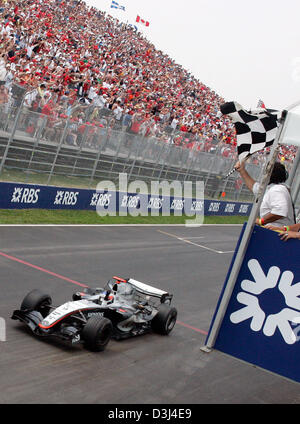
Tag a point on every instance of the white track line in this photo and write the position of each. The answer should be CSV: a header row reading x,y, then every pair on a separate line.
x,y
115,225
195,244
192,238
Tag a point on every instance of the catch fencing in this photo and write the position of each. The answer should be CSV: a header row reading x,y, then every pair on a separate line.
x,y
85,144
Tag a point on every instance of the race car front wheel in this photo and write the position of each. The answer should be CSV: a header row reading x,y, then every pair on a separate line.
x,y
36,300
97,333
164,320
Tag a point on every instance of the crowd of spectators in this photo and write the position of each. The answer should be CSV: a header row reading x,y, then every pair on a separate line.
x,y
66,53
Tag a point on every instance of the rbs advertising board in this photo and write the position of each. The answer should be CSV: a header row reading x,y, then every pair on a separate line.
x,y
21,196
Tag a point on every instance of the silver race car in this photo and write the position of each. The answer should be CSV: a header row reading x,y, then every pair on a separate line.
x,y
123,308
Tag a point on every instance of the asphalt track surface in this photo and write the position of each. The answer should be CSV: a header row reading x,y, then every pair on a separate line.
x,y
151,369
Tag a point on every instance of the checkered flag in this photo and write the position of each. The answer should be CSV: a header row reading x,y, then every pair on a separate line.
x,y
255,130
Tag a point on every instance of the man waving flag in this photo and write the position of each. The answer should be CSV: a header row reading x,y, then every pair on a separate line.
x,y
255,129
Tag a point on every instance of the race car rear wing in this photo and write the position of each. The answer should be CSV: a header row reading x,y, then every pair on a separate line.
x,y
150,291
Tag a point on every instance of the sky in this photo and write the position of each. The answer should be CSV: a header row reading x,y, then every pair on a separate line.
x,y
243,50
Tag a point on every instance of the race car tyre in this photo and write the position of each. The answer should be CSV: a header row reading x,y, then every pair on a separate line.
x,y
164,320
37,301
96,333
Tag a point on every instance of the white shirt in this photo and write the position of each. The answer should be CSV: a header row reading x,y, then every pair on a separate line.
x,y
30,97
99,101
92,93
118,112
174,123
277,200
3,72
29,50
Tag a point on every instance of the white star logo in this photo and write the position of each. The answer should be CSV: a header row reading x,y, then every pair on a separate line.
x,y
16,195
59,197
252,295
94,199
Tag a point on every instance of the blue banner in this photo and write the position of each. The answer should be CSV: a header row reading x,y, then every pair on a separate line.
x,y
261,324
28,196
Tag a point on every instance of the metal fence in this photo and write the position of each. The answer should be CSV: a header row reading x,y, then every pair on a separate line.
x,y
86,144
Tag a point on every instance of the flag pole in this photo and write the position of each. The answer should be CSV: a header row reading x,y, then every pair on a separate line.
x,y
218,319
229,173
234,169
296,186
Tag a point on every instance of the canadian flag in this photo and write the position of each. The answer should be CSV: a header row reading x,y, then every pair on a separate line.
x,y
141,21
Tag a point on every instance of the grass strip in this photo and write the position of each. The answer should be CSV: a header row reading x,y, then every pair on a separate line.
x,y
75,217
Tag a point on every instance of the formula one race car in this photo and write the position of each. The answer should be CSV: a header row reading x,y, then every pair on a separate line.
x,y
123,308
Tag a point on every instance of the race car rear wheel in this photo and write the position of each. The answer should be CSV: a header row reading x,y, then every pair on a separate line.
x,y
164,320
36,300
97,333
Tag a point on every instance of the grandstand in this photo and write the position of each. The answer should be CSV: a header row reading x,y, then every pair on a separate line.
x,y
77,52
88,77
